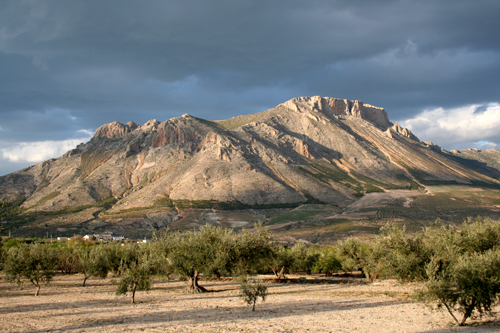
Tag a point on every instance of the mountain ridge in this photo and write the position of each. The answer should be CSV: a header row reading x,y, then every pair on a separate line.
x,y
306,150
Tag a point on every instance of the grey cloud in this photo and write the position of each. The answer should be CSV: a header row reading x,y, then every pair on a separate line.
x,y
107,60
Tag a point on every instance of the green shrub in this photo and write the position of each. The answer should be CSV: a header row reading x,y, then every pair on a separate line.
x,y
327,261
400,255
354,255
251,290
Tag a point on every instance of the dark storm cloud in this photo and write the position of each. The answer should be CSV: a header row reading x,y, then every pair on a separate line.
x,y
71,65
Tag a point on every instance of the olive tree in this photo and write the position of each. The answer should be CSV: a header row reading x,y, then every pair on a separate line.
x,y
251,290
399,254
250,251
303,259
93,262
327,261
280,260
136,271
471,282
354,255
35,263
207,251
69,262
464,271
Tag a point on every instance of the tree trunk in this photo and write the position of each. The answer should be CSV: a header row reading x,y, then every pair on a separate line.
x,y
84,280
133,293
451,313
37,285
255,300
193,285
280,274
468,312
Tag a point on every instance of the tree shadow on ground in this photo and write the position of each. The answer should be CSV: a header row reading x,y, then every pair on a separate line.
x,y
196,316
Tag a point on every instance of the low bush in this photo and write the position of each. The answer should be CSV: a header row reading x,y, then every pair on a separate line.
x,y
251,290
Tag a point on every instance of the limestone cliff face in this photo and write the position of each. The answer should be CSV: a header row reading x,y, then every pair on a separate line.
x,y
309,148
341,107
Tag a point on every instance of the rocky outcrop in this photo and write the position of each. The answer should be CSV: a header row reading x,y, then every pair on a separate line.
x,y
396,128
114,130
167,134
341,107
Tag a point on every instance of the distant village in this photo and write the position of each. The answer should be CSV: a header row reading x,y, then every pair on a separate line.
x,y
108,237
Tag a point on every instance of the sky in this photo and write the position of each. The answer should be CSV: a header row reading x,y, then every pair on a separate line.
x,y
68,67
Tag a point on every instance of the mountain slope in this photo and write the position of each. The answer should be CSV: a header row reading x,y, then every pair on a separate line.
x,y
306,150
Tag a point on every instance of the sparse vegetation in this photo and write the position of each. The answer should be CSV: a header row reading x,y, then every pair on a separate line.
x,y
231,205
304,212
107,203
9,210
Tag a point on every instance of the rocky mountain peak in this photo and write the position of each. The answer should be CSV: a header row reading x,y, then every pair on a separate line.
x,y
114,130
340,107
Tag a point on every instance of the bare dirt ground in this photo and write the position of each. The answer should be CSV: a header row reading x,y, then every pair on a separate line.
x,y
343,305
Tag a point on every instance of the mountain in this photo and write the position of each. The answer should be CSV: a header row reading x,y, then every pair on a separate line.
x,y
316,150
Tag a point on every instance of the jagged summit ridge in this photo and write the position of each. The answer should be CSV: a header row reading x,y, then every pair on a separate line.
x,y
328,106
340,107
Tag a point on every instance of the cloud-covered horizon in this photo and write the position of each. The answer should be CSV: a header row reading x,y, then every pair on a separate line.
x,y
34,152
473,126
68,65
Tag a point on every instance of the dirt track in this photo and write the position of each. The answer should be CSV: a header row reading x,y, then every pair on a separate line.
x,y
346,305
